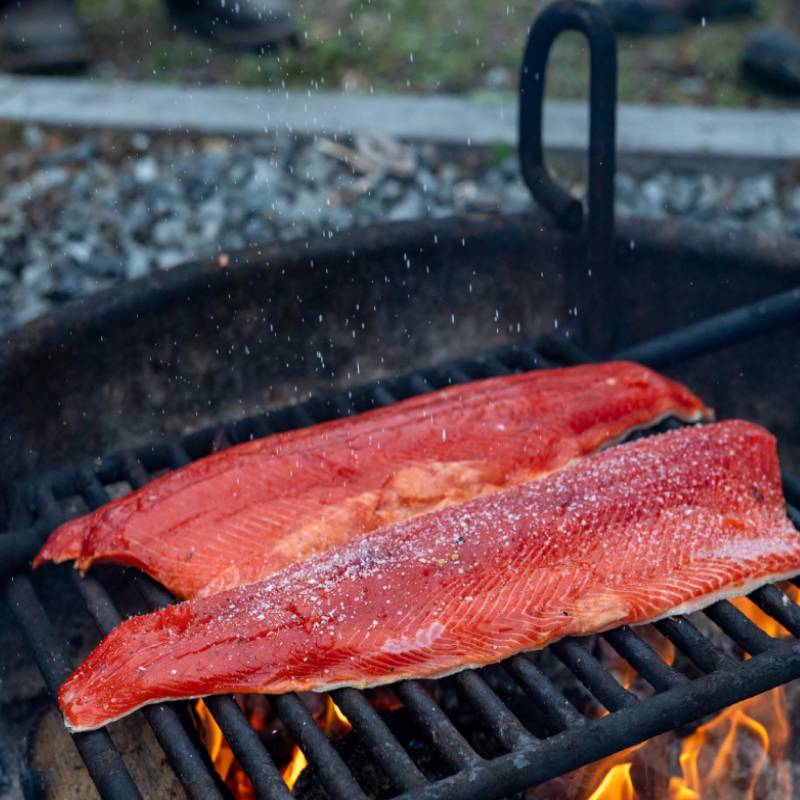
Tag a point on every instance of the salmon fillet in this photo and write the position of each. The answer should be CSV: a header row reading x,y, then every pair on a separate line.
x,y
243,514
660,526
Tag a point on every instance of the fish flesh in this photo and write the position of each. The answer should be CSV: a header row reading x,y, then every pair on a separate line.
x,y
242,514
660,526
247,512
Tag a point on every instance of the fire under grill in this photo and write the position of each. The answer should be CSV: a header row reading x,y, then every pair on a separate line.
x,y
479,734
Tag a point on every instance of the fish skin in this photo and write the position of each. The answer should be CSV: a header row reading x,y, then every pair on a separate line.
x,y
663,525
242,514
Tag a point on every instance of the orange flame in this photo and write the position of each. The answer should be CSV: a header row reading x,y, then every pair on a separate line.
x,y
617,783
724,758
221,755
213,740
334,725
292,771
332,721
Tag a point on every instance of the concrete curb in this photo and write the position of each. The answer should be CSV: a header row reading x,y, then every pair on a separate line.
x,y
666,134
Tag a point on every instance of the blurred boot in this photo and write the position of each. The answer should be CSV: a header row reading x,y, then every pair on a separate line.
x,y
41,36
771,56
242,24
669,16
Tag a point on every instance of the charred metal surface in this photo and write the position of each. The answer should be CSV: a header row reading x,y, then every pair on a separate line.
x,y
178,350
201,343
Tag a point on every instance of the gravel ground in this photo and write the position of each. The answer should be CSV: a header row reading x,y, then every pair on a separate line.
x,y
80,213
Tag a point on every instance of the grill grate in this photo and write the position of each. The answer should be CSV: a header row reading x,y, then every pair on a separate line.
x,y
564,740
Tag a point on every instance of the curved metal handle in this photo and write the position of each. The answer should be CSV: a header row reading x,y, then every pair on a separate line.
x,y
592,22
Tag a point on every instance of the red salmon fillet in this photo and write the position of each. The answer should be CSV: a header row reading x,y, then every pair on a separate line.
x,y
243,514
661,526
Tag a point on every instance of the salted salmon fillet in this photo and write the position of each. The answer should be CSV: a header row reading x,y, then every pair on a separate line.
x,y
240,515
660,526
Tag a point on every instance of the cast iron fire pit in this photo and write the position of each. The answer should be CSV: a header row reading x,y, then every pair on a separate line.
x,y
365,319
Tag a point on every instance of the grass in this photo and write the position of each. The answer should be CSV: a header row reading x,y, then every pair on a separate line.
x,y
463,46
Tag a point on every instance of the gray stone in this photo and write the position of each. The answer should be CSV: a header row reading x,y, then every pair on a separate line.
x,y
307,206
654,196
170,231
754,193
682,194
29,310
146,169
79,153
79,251
264,175
137,263
33,136
769,219
410,207
794,200
170,258
37,276
140,141
517,198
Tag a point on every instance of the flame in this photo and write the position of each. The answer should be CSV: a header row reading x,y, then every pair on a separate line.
x,y
329,718
214,740
761,724
727,757
292,771
334,725
617,784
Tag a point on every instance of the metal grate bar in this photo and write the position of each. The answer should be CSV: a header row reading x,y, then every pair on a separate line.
x,y
322,408
381,396
614,732
248,748
794,515
495,367
558,711
178,456
332,771
133,471
184,756
388,752
508,730
102,759
154,457
47,504
299,416
644,659
778,605
455,374
452,746
253,428
593,675
718,331
791,488
736,625
693,644
521,358
420,384
92,490
243,740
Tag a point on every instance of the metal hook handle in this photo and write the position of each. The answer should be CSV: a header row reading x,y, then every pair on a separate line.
x,y
592,22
